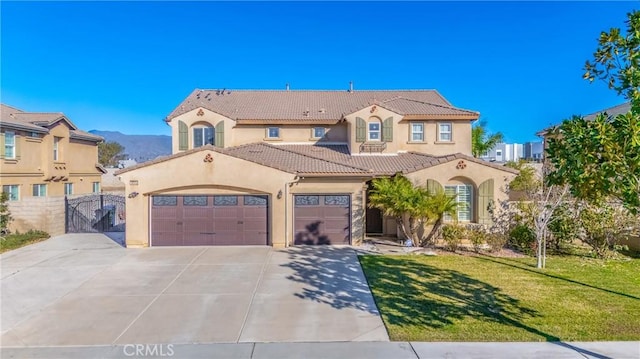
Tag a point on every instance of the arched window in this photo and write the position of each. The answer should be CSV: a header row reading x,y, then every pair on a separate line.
x,y
203,135
374,129
464,196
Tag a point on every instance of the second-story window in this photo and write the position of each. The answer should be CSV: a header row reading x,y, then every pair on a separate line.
x,y
56,148
68,188
273,132
203,136
444,132
318,132
417,132
373,133
96,187
10,145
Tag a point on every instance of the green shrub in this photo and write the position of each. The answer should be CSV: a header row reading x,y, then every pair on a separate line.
x,y
496,241
477,237
452,235
5,215
563,226
523,238
17,240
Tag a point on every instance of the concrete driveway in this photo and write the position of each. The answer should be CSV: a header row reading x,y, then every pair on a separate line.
x,y
84,289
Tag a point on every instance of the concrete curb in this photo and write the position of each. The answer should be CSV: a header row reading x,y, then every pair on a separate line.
x,y
351,350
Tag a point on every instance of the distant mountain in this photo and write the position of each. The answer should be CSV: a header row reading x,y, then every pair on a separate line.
x,y
141,148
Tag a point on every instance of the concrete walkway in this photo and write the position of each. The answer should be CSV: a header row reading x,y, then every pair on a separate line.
x,y
85,289
352,350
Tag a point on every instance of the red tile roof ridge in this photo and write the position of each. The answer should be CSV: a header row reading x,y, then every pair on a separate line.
x,y
451,107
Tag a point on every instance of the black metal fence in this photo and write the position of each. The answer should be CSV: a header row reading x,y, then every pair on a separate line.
x,y
95,213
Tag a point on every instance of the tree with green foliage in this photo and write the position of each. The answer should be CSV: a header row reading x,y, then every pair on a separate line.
x,y
600,159
5,215
412,206
109,153
482,141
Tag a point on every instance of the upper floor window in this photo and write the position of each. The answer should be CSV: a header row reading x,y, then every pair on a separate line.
x,y
417,131
10,144
96,187
68,188
12,191
317,132
203,136
444,132
39,190
373,133
56,148
273,132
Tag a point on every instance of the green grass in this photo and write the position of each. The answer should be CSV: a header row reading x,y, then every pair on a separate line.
x,y
459,298
17,240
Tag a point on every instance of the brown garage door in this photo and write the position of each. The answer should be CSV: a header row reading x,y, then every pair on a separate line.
x,y
322,219
208,220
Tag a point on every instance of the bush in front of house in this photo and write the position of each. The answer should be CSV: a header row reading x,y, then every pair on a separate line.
x,y
523,238
452,235
17,240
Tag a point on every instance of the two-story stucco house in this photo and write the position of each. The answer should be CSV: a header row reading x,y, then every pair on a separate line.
x,y
286,167
44,155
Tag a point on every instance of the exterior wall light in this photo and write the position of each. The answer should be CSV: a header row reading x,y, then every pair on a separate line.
x,y
133,195
279,195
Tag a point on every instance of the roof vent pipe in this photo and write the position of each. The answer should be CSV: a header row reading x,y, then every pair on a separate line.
x,y
350,86
287,86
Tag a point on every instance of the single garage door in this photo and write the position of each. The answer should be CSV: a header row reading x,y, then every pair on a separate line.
x,y
209,220
322,219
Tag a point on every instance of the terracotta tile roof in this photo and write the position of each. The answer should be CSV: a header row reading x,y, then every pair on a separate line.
x,y
40,121
326,160
405,162
315,106
281,158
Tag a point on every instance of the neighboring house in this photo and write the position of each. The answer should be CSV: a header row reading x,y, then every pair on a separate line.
x,y
611,112
127,163
44,155
533,151
504,152
283,168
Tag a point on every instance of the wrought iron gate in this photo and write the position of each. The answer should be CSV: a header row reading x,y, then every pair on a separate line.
x,y
94,213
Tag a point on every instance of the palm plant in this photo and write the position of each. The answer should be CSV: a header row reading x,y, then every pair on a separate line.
x,y
410,205
482,141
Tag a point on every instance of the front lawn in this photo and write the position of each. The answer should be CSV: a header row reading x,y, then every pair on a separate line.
x,y
17,240
466,298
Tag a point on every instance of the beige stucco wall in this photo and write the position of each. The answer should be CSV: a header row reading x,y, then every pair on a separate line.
x,y
236,135
473,173
77,161
229,175
191,174
244,134
461,133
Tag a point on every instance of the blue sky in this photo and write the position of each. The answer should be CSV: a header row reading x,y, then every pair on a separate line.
x,y
126,65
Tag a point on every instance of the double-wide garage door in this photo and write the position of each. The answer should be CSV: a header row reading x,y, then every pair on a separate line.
x,y
209,220
322,219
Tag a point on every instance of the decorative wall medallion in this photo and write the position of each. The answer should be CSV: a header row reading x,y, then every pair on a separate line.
x,y
374,109
200,112
461,165
208,158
